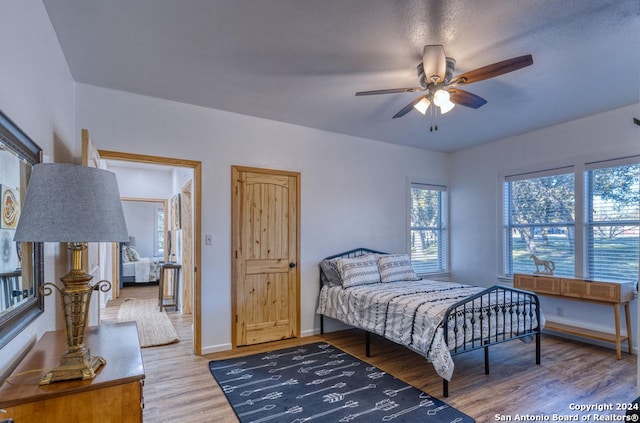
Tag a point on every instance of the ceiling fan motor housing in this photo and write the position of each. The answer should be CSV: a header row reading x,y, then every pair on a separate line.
x,y
451,66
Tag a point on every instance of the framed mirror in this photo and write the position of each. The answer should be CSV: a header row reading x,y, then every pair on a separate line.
x,y
21,264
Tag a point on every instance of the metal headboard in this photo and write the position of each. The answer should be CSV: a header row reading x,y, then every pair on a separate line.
x,y
357,252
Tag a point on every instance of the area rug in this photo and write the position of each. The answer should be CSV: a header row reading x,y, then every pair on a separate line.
x,y
321,383
154,326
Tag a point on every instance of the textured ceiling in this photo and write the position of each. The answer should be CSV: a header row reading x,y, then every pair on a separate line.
x,y
301,61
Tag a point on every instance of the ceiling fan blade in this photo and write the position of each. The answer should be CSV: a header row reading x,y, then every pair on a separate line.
x,y
493,70
391,91
434,62
465,98
406,109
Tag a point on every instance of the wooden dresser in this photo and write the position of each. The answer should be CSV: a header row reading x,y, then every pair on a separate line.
x,y
114,395
612,294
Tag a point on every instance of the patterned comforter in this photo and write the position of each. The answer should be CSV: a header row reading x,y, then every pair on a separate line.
x,y
411,313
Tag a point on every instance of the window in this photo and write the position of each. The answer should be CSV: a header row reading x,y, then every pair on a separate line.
x,y
612,219
539,218
159,233
585,219
428,228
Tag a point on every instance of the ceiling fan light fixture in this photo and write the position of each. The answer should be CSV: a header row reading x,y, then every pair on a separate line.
x,y
441,97
444,108
422,105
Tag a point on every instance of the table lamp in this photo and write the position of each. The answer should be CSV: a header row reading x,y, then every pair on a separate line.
x,y
76,205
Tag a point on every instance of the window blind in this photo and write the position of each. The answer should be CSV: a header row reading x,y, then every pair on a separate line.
x,y
612,220
428,228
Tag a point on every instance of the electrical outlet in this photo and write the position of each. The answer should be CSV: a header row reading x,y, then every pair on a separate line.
x,y
559,311
208,239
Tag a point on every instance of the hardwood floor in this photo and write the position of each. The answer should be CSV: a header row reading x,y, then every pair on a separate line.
x,y
179,387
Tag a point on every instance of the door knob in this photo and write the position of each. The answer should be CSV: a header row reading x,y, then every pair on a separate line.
x,y
292,265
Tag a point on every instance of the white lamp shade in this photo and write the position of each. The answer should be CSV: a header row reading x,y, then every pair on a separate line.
x,y
70,203
422,105
447,106
441,97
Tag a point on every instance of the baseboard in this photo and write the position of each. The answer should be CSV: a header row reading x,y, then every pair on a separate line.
x,y
216,348
310,332
227,346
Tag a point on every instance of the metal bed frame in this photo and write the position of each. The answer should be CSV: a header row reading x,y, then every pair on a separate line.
x,y
497,302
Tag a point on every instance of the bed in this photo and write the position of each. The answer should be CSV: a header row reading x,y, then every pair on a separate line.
x,y
381,294
135,269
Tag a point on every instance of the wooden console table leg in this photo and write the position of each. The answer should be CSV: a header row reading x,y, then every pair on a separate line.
x,y
629,330
616,313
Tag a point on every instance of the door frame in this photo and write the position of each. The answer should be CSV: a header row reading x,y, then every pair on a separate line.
x,y
234,242
196,166
187,243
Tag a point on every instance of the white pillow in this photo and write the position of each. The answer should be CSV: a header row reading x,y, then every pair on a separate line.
x,y
360,270
396,267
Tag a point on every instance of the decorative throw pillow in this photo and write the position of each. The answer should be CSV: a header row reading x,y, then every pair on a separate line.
x,y
135,256
396,267
330,270
360,270
125,255
132,254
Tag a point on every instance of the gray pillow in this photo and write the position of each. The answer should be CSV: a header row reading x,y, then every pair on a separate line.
x,y
330,270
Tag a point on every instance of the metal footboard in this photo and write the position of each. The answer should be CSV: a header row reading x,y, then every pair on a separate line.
x,y
487,318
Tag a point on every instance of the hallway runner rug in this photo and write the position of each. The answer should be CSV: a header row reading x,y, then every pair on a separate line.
x,y
154,326
321,383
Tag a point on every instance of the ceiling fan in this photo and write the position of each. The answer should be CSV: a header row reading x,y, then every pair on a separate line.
x,y
435,74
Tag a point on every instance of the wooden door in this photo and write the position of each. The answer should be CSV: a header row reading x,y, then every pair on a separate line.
x,y
265,251
187,248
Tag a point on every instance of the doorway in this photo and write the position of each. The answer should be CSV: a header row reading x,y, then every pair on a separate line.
x,y
195,280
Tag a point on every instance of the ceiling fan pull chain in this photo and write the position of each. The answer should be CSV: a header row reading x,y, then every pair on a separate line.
x,y
435,118
432,118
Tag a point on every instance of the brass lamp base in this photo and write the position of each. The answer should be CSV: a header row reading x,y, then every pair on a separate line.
x,y
76,362
74,365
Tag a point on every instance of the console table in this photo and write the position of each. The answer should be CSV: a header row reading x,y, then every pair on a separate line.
x,y
612,294
114,395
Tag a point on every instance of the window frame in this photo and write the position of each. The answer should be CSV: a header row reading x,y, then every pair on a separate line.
x,y
445,256
600,165
156,233
505,224
580,168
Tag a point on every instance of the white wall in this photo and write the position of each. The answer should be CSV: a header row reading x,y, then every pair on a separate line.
x,y
476,194
147,183
140,217
353,190
37,93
